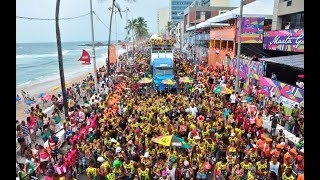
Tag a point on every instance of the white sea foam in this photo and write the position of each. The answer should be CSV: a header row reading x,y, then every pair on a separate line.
x,y
22,56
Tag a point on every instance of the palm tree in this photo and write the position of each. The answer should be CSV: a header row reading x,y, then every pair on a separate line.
x,y
112,9
169,27
138,27
60,59
141,28
131,27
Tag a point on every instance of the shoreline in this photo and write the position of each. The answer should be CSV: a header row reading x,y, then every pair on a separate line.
x,y
43,87
46,87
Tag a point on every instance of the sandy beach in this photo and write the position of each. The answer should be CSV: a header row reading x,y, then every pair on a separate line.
x,y
45,87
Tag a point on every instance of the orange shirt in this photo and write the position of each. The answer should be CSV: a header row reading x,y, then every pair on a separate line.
x,y
286,155
260,144
274,152
259,122
300,177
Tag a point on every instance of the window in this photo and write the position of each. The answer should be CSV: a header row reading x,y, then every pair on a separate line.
x,y
223,11
293,21
289,3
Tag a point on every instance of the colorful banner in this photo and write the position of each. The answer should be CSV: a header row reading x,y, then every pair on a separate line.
x,y
247,68
223,34
284,40
113,54
252,30
287,94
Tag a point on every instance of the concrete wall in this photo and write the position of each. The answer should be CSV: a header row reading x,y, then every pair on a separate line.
x,y
296,6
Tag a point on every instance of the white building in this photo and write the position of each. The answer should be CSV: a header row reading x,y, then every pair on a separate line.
x,y
162,19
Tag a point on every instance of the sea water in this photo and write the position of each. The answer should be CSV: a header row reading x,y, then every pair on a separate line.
x,y
38,62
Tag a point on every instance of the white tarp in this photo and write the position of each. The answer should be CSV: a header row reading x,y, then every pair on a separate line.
x,y
258,8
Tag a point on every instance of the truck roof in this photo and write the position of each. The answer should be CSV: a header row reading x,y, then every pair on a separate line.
x,y
158,61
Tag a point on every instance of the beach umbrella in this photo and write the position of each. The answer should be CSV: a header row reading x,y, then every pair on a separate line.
x,y
40,95
144,81
222,90
185,79
171,140
168,82
29,102
46,97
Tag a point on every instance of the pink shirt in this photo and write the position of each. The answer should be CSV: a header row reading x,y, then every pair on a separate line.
x,y
49,178
81,115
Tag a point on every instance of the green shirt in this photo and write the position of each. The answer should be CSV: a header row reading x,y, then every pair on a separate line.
x,y
91,137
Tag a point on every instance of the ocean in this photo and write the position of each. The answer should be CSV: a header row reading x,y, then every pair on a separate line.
x,y
38,62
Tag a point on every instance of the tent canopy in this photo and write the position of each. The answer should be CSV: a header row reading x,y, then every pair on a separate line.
x,y
293,61
258,8
206,24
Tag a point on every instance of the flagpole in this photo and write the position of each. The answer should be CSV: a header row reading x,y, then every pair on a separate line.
x,y
95,73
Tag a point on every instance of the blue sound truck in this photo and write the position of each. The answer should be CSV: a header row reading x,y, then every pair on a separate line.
x,y
162,68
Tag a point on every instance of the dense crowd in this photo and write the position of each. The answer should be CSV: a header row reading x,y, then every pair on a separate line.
x,y
111,134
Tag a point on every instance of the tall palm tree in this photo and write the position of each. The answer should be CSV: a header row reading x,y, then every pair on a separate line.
x,y
60,59
131,27
113,6
169,27
138,27
141,28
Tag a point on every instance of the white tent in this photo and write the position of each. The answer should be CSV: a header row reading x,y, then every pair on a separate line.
x,y
258,8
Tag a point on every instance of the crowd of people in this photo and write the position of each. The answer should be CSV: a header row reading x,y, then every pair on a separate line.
x,y
110,133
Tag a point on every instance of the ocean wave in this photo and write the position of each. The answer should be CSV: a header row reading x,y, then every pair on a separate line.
x,y
22,56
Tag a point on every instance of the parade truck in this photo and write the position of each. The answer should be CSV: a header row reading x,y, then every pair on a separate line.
x,y
162,68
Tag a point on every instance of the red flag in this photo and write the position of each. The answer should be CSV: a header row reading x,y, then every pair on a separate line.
x,y
113,54
85,57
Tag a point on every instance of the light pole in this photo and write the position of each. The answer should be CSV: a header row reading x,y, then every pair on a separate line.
x,y
94,52
180,37
239,46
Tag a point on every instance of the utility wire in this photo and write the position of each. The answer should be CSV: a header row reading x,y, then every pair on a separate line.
x,y
106,25
48,19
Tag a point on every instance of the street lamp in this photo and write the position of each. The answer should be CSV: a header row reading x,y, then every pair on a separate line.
x,y
179,14
94,52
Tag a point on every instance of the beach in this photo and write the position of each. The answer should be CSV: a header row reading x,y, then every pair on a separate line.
x,y
43,87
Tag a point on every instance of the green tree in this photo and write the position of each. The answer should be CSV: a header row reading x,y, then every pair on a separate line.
x,y
169,27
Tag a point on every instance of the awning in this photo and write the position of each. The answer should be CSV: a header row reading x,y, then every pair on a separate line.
x,y
258,8
293,60
206,24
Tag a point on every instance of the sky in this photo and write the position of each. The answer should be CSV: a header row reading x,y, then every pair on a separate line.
x,y
32,31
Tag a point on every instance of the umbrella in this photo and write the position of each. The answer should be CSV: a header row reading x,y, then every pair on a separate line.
x,y
29,102
144,81
222,90
46,97
168,82
171,140
200,118
185,79
18,99
40,95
